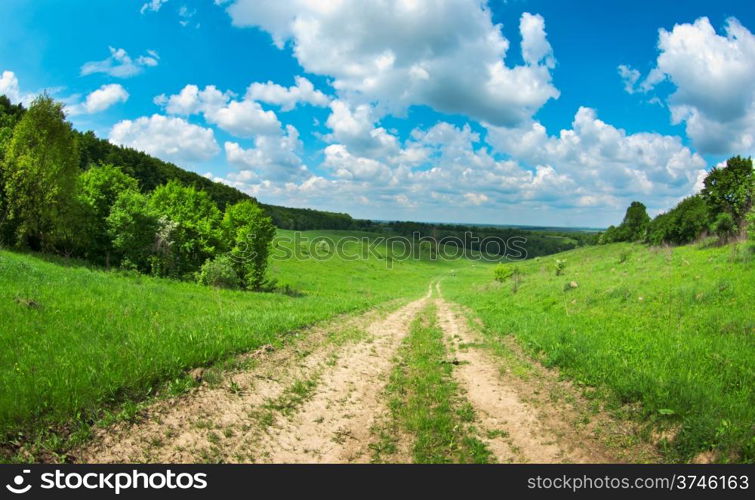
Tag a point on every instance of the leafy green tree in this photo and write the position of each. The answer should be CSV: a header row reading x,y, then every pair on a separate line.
x,y
40,169
751,224
730,189
194,227
249,233
98,189
132,226
635,223
9,116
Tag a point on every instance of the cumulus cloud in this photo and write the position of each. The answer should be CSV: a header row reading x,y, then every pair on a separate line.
x,y
605,160
245,118
355,127
447,55
272,158
9,87
100,100
169,138
714,80
119,64
287,98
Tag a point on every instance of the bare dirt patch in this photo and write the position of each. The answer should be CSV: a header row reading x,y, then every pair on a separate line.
x,y
536,418
312,401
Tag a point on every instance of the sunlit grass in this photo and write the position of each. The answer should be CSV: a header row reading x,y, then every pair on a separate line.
x,y
77,339
670,329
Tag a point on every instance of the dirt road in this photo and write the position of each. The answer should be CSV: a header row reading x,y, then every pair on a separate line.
x,y
320,398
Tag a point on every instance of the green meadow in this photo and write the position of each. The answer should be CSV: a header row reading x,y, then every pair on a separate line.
x,y
662,335
78,339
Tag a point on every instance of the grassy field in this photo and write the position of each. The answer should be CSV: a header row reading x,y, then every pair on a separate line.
x,y
666,336
78,339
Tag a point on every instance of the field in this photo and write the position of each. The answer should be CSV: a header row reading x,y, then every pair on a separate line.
x,y
78,339
665,335
629,354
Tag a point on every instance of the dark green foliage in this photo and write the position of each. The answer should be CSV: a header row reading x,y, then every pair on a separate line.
x,y
635,222
724,227
729,189
98,190
634,227
190,228
681,225
39,172
249,233
132,226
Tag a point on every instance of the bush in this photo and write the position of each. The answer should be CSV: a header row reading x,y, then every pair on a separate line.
x,y
219,272
503,272
249,233
560,266
724,227
751,224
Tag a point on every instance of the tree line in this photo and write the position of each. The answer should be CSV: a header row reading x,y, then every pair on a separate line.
x,y
723,208
121,214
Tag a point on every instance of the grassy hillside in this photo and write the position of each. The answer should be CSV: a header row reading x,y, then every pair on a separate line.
x,y
666,335
77,339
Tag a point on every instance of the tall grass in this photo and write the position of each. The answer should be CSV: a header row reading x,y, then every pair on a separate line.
x,y
666,334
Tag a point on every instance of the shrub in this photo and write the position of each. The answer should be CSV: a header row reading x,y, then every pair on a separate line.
x,y
503,272
249,233
751,224
219,272
560,266
724,227
195,230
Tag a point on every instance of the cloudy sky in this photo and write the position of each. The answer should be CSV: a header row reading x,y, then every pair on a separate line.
x,y
508,112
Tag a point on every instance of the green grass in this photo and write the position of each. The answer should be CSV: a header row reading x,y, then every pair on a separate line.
x,y
667,335
425,403
77,339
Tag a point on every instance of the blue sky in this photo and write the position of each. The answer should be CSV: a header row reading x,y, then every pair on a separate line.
x,y
517,112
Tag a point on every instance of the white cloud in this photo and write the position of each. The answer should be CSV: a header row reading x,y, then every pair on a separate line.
x,y
100,100
714,76
152,5
287,98
272,158
606,161
447,55
120,64
169,138
355,128
630,77
535,46
9,86
244,118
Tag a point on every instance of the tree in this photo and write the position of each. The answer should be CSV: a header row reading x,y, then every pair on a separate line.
x,y
249,234
9,115
195,227
635,223
730,189
98,190
40,170
132,227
